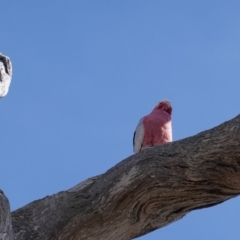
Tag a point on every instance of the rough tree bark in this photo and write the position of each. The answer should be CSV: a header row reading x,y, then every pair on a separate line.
x,y
5,218
142,193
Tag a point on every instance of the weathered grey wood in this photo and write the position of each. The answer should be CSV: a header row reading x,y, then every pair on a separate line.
x,y
5,74
5,218
142,193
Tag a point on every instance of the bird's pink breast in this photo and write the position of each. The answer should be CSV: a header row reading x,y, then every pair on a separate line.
x,y
157,127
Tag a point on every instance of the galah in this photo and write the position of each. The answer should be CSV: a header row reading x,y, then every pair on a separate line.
x,y
5,74
154,128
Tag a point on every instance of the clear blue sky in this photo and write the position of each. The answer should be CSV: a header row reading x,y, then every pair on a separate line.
x,y
84,72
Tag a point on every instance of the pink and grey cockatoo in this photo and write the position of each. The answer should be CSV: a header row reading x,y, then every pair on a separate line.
x,y
154,128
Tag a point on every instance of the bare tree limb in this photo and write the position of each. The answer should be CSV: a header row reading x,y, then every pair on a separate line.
x,y
5,218
142,193
5,74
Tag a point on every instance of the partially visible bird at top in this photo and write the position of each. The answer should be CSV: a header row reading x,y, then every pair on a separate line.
x,y
154,128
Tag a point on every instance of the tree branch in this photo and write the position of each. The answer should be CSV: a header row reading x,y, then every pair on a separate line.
x,y
142,193
5,218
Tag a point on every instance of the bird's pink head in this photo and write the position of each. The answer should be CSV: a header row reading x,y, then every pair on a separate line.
x,y
164,105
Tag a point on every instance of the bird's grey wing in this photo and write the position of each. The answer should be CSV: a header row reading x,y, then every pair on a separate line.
x,y
138,136
5,74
